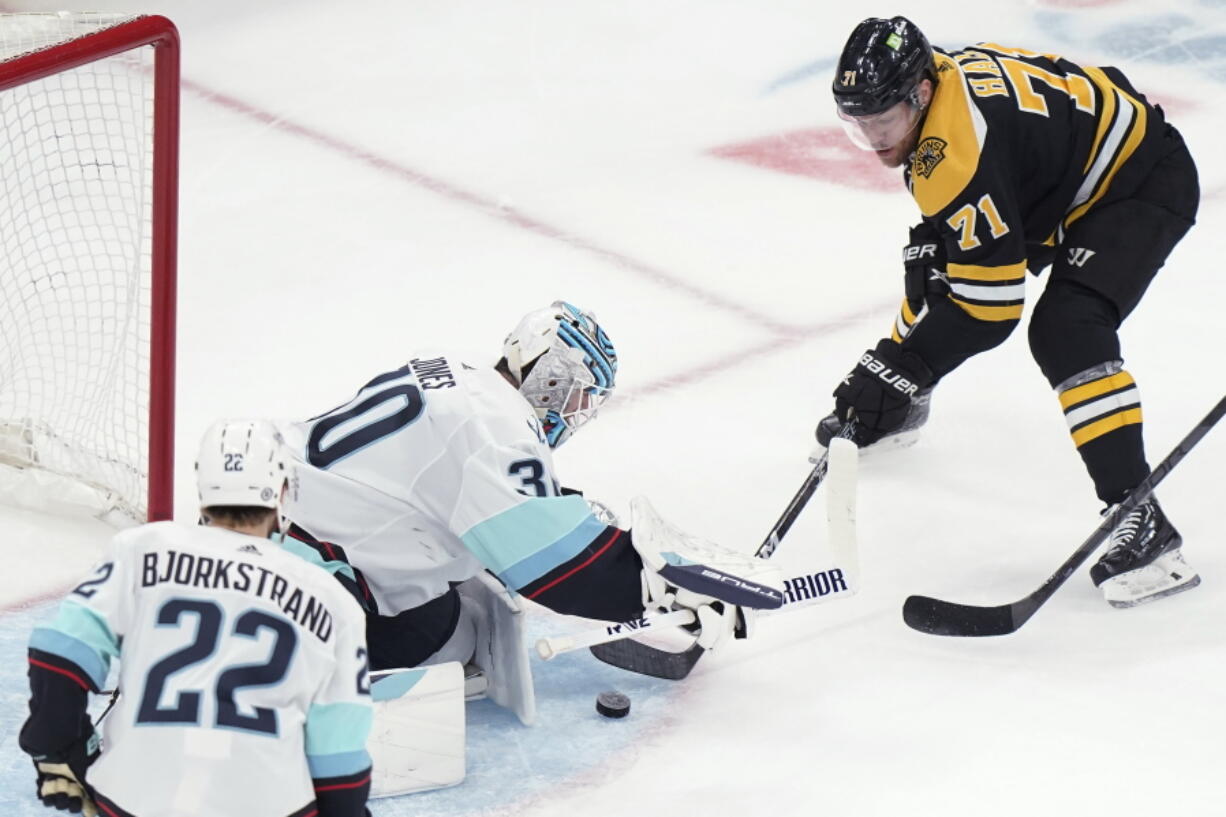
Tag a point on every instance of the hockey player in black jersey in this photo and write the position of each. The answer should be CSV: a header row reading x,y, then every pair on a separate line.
x,y
1021,161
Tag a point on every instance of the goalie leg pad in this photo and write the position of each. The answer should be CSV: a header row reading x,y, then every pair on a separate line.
x,y
501,652
417,739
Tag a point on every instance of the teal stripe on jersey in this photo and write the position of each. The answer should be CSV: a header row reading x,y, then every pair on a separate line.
x,y
568,547
527,541
310,554
92,663
338,729
338,765
395,684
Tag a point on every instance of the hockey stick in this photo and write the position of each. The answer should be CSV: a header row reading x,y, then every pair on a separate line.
x,y
937,617
635,656
549,648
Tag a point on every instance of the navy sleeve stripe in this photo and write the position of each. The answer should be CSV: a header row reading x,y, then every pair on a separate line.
x,y
342,781
343,795
338,786
360,590
54,663
601,544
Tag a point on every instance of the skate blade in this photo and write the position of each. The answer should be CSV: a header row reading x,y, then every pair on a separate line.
x,y
1168,575
894,442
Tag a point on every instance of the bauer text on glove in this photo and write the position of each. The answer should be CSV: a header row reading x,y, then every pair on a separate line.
x,y
877,392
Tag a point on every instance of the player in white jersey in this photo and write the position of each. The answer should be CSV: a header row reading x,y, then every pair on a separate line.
x,y
443,468
243,668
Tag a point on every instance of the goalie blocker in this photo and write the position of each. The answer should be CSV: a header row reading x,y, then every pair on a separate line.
x,y
613,644
720,586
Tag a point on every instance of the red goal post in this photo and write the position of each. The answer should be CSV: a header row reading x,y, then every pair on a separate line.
x,y
89,104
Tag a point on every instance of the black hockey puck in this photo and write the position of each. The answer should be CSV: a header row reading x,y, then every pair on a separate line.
x,y
613,704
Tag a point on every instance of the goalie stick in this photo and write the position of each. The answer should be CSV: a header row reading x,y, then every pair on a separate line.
x,y
937,617
551,647
620,651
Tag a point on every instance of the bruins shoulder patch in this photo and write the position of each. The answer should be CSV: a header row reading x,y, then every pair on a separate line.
x,y
928,154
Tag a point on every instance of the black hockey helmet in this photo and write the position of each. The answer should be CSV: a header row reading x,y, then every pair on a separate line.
x,y
881,64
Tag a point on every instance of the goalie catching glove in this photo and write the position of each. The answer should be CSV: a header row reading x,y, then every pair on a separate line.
x,y
680,571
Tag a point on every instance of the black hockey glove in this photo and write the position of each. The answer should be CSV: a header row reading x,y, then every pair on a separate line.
x,y
877,393
923,261
61,776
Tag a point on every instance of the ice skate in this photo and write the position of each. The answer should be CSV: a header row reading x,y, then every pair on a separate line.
x,y
1145,562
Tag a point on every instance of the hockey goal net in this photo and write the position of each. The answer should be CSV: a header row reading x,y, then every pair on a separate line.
x,y
88,200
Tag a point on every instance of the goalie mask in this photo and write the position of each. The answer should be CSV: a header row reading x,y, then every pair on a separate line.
x,y
564,364
244,463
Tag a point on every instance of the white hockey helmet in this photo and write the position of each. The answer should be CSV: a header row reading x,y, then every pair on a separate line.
x,y
243,463
563,364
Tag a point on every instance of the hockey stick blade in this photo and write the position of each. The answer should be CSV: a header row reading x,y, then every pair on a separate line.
x,y
937,617
645,659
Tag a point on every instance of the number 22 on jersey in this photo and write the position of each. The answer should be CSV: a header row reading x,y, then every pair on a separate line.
x,y
184,708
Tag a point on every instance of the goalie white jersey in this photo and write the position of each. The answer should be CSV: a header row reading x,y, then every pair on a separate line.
x,y
243,671
430,473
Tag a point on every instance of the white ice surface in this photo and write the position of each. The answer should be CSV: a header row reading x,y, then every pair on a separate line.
x,y
363,178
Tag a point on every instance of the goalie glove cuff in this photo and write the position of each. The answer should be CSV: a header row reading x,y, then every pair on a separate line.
x,y
682,562
721,587
657,595
717,624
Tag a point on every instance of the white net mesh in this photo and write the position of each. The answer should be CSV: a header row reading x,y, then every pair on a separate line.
x,y
75,269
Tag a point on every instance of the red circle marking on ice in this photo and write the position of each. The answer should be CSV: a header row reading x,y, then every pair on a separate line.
x,y
822,153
